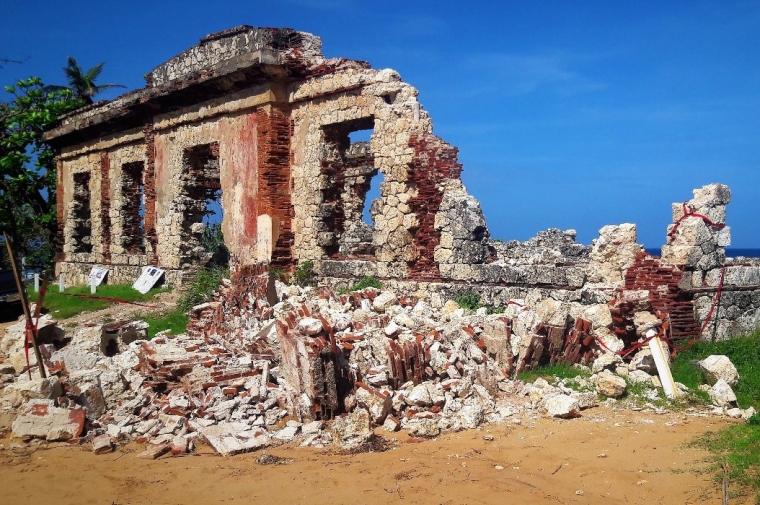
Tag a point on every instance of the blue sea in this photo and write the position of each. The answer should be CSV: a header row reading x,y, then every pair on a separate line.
x,y
731,252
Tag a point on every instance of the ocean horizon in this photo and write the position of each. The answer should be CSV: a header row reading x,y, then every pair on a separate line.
x,y
731,252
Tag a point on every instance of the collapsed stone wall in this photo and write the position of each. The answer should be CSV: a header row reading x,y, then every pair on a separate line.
x,y
262,116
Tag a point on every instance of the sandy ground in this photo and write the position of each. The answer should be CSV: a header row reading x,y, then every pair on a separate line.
x,y
606,456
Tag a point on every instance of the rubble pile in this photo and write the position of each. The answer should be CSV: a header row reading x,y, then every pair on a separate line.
x,y
320,368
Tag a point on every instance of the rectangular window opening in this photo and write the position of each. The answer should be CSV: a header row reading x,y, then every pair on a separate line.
x,y
201,198
133,207
81,214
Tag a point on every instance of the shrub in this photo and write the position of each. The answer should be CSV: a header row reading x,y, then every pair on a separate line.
x,y
280,275
468,301
203,283
305,275
367,281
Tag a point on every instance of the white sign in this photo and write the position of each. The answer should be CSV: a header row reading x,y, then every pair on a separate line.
x,y
97,274
147,279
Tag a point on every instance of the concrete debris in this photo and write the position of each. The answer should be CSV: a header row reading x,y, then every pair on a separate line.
x,y
722,395
102,444
718,367
318,368
353,430
42,419
562,406
610,385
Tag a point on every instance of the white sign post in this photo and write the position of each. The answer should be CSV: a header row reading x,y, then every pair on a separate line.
x,y
661,361
147,279
36,283
61,284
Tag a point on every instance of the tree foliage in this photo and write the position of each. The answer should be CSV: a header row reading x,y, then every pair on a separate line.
x,y
82,83
27,165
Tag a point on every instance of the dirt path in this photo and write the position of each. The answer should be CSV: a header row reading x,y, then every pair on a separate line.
x,y
605,457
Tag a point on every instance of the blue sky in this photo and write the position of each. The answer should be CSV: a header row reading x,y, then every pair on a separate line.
x,y
566,114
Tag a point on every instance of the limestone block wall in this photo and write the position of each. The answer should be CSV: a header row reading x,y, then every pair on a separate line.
x,y
159,155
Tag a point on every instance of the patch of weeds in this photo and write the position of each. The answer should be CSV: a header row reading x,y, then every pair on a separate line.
x,y
305,275
280,275
558,370
200,287
469,301
738,447
367,281
374,444
270,459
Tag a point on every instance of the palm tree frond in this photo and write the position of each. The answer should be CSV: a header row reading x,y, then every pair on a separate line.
x,y
94,72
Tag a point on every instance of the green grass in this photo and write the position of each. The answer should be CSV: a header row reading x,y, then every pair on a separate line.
x,y
744,353
365,282
559,370
173,320
63,305
199,289
737,446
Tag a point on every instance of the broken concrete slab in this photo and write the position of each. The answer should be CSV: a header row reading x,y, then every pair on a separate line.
x,y
41,419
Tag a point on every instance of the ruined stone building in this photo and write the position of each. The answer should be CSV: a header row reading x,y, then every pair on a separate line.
x,y
262,116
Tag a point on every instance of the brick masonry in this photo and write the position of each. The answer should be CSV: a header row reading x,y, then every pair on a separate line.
x,y
273,142
662,282
151,238
434,161
105,205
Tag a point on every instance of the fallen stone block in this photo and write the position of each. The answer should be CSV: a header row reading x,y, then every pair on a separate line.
x,y
154,451
610,385
227,438
607,361
377,403
718,367
287,434
562,406
41,419
391,424
722,395
426,427
179,445
586,400
101,444
352,430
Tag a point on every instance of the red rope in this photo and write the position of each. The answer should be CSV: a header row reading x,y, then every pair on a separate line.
x,y
624,352
688,213
715,301
693,341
